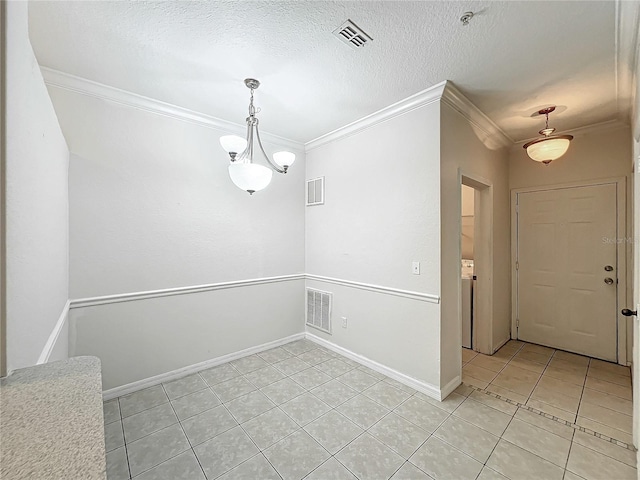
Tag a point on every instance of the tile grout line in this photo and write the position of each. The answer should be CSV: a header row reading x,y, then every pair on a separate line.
x,y
498,442
366,430
556,419
306,390
301,427
126,451
552,417
332,408
378,381
503,367
179,422
541,375
182,428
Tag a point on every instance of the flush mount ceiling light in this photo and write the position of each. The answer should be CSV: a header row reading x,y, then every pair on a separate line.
x,y
245,174
550,147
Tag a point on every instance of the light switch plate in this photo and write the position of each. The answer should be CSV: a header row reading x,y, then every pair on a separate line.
x,y
416,268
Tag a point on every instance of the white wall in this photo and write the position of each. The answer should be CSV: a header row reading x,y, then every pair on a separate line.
x,y
140,339
464,151
381,213
152,208
152,205
593,155
36,201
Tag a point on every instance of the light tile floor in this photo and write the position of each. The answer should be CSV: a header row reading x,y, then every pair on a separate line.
x,y
301,411
580,390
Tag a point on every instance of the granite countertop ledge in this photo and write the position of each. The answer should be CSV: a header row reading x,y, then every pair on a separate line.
x,y
51,422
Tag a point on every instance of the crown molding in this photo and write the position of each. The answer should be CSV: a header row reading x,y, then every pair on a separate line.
x,y
456,99
445,91
420,99
83,86
599,127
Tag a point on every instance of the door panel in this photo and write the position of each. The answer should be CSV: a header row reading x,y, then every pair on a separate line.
x,y
565,239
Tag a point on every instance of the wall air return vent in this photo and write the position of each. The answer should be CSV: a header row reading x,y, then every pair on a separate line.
x,y
319,309
352,35
315,191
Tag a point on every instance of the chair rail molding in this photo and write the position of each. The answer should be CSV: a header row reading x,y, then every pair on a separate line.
x,y
134,296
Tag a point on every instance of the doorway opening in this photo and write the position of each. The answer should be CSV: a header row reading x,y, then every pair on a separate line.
x,y
476,264
468,278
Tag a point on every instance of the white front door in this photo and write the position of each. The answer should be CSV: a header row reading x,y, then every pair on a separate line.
x,y
567,269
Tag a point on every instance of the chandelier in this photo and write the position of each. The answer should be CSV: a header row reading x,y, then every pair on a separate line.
x,y
550,147
244,173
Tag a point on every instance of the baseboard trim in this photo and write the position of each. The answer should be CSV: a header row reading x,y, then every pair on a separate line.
x,y
196,367
425,297
502,344
129,297
426,388
55,334
450,387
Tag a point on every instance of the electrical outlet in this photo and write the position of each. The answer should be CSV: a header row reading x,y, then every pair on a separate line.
x,y
344,322
416,268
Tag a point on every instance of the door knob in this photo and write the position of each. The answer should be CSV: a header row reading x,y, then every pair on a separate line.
x,y
629,313
608,281
608,268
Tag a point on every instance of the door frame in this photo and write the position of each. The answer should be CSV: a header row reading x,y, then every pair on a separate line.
x,y
3,226
482,330
624,246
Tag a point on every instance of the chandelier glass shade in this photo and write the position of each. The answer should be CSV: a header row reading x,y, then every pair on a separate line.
x,y
244,173
550,147
250,176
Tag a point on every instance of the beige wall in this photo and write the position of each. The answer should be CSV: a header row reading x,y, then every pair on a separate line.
x,y
591,156
462,152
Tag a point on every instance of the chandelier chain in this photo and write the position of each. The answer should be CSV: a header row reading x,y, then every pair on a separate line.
x,y
252,109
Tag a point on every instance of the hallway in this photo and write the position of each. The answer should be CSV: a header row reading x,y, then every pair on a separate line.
x,y
589,393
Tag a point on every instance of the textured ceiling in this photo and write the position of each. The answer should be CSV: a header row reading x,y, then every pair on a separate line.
x,y
512,59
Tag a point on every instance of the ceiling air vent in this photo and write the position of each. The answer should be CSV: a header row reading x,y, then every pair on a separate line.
x,y
352,35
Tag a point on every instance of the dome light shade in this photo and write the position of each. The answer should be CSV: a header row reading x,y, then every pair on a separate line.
x,y
250,177
233,143
284,159
548,149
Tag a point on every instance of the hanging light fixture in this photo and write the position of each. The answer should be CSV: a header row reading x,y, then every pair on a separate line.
x,y
247,175
550,147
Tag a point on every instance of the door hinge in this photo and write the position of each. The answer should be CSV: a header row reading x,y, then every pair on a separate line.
x,y
517,323
517,265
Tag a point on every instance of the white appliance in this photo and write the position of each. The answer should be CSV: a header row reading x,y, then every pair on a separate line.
x,y
467,302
